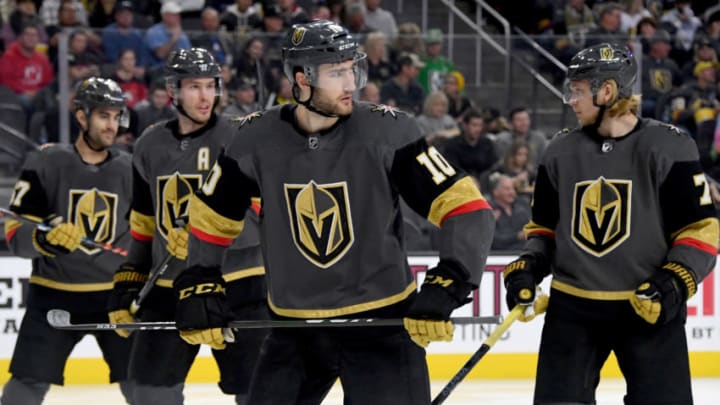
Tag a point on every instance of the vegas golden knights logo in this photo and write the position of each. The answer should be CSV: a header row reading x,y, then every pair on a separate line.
x,y
320,220
173,199
601,215
606,53
661,80
95,212
298,35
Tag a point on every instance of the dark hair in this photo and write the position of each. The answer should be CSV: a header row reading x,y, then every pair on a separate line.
x,y
472,113
516,110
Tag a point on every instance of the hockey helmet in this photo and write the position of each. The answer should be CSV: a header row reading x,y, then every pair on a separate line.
x,y
321,42
96,92
600,63
192,63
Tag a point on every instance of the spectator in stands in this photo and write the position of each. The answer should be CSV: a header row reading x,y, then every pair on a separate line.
x,y
24,69
83,63
68,20
292,13
712,27
645,32
25,13
403,91
370,93
511,214
516,165
243,100
272,31
437,66
102,14
241,17
380,69
355,20
250,66
494,122
608,28
694,101
50,11
472,151
633,11
122,35
571,25
320,11
704,52
211,38
682,23
156,108
165,36
131,78
659,73
435,123
281,94
409,40
458,103
380,19
52,119
520,131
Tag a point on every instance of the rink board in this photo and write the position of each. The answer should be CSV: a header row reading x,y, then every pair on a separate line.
x,y
514,356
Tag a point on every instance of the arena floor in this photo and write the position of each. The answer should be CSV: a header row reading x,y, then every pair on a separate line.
x,y
488,392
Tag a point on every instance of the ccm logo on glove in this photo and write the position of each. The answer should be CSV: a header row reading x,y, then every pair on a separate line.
x,y
200,289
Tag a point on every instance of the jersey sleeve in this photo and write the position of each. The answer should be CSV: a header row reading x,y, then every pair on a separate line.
x,y
449,199
540,231
142,218
688,213
217,211
30,200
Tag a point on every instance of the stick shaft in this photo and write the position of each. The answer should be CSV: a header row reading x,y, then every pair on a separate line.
x,y
87,242
145,290
478,355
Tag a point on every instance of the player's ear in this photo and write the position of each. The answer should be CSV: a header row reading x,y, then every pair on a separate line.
x,y
81,118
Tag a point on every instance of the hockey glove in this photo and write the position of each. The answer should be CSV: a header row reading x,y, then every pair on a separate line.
x,y
201,309
63,238
428,318
127,283
177,242
659,298
520,285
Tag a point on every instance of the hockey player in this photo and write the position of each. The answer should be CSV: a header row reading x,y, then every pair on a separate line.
x,y
331,172
623,220
89,185
170,161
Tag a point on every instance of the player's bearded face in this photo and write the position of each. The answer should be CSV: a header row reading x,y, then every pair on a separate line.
x,y
198,97
104,125
335,88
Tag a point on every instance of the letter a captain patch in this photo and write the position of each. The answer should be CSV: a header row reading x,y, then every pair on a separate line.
x,y
601,215
320,221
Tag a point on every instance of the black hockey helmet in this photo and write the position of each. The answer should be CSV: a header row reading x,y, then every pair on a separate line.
x,y
96,92
319,42
603,62
192,63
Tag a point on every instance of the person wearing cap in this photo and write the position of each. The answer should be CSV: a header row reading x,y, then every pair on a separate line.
x,y
695,102
660,73
243,101
122,35
402,90
165,36
436,66
703,52
381,19
241,17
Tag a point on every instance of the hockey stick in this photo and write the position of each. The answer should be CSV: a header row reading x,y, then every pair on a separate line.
x,y
87,242
485,347
60,319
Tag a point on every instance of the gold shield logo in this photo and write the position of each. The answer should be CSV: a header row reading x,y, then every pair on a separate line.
x,y
298,36
661,80
95,212
320,220
606,53
601,215
174,193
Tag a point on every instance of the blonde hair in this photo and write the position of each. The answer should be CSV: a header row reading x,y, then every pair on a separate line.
x,y
432,98
621,106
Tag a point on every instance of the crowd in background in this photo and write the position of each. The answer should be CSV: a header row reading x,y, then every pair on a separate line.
x,y
128,41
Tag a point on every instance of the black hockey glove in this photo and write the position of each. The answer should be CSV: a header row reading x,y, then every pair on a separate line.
x,y
443,290
202,311
659,299
521,285
127,283
63,238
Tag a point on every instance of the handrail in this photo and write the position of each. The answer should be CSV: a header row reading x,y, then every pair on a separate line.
x,y
542,51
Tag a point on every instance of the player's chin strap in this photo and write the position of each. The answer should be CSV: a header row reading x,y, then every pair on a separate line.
x,y
308,103
601,114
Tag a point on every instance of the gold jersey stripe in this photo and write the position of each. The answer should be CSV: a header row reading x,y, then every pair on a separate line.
x,y
87,287
532,228
210,223
11,226
244,273
143,225
462,192
705,231
590,294
351,309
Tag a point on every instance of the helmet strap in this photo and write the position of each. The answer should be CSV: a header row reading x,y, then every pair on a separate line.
x,y
308,103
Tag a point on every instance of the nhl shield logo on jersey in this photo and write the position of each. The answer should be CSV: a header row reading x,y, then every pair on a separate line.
x,y
601,215
320,220
173,199
95,212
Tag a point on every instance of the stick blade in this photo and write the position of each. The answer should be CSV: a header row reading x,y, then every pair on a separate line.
x,y
58,318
